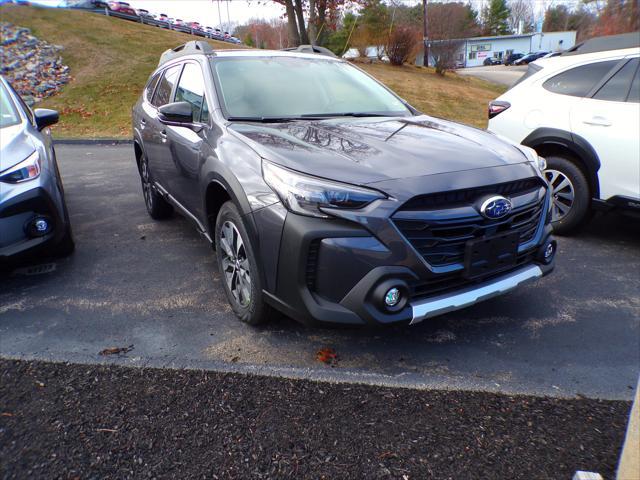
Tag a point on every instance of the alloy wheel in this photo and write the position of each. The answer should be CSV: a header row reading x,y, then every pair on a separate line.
x,y
562,194
146,184
235,264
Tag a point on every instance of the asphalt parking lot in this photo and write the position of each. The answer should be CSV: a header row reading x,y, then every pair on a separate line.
x,y
496,73
154,286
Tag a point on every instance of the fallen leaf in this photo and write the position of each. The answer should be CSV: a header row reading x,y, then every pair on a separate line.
x,y
326,355
116,350
6,414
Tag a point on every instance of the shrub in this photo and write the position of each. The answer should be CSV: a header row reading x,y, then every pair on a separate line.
x,y
402,44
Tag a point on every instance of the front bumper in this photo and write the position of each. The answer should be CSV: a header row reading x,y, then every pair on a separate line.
x,y
15,215
337,270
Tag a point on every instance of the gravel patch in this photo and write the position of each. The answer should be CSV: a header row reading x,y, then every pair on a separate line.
x,y
32,66
76,421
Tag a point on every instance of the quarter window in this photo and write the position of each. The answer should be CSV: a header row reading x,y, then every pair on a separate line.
x,y
579,81
617,87
151,86
191,88
165,86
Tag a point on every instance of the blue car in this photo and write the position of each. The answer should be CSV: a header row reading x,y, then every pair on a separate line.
x,y
33,213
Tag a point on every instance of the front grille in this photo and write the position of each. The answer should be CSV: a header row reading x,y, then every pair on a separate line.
x,y
442,242
454,198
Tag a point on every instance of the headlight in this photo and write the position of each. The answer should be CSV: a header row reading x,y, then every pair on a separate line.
x,y
306,195
539,162
27,169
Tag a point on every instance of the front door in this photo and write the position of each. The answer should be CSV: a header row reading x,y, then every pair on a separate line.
x,y
186,143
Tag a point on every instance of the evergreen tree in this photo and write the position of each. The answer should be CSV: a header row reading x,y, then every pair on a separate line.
x,y
496,18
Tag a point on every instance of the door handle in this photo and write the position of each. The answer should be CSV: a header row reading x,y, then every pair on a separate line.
x,y
598,121
163,134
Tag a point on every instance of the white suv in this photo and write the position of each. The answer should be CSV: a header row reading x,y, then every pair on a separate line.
x,y
582,113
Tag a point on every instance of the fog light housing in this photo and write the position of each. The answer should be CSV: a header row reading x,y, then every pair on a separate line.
x,y
39,226
392,297
547,252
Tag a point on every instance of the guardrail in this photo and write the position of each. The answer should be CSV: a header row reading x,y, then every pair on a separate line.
x,y
157,23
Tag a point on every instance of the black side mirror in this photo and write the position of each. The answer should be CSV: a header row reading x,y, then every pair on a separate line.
x,y
45,117
176,114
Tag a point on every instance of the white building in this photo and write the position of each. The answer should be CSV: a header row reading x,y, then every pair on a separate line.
x,y
474,51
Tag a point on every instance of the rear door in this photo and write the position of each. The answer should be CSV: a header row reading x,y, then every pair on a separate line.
x,y
609,119
185,144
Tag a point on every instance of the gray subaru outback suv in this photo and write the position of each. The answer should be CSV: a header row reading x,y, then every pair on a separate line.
x,y
329,198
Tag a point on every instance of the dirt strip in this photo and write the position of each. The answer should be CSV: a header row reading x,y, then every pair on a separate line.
x,y
77,421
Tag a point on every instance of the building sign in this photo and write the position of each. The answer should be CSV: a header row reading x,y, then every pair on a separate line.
x,y
481,47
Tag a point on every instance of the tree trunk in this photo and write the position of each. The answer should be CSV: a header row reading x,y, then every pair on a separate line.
x,y
313,28
304,39
292,27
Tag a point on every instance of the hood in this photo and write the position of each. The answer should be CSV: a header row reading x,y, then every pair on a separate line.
x,y
363,151
15,146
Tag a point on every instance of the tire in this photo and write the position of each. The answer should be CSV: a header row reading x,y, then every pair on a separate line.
x,y
66,245
239,270
157,207
570,194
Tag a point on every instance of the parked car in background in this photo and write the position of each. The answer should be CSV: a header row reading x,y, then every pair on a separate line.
x,y
99,4
283,165
512,57
143,13
122,7
582,113
491,61
531,57
33,213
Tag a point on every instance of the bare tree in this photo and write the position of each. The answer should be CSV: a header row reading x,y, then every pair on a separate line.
x,y
521,15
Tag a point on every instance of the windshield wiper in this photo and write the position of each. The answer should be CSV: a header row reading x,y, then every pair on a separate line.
x,y
346,114
263,119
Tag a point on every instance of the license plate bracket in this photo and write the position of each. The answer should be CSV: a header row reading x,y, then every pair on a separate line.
x,y
486,255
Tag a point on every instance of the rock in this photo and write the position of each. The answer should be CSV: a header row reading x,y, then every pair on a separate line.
x,y
32,66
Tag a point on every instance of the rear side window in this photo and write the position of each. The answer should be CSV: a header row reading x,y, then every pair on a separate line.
x,y
191,88
165,86
151,86
617,87
579,81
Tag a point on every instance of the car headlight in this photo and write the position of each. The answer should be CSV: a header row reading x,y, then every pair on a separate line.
x,y
539,162
307,195
27,169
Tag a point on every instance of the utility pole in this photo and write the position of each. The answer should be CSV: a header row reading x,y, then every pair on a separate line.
x,y
228,18
425,41
219,15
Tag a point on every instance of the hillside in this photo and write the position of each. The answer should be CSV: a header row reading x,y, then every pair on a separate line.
x,y
110,60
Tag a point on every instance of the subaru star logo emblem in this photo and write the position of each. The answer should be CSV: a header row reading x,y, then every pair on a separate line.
x,y
495,207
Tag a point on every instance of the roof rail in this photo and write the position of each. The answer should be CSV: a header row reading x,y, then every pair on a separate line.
x,y
311,49
189,48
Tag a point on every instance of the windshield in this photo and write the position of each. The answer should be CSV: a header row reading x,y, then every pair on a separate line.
x,y
8,114
283,87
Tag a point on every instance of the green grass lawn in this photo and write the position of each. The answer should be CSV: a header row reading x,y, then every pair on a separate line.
x,y
111,59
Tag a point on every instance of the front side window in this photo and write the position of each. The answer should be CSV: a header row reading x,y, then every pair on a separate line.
x,y
8,114
191,89
579,81
165,86
299,86
617,87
